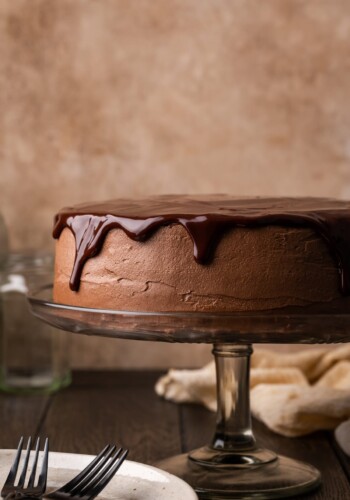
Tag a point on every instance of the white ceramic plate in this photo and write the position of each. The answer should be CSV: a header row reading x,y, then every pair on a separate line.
x,y
133,481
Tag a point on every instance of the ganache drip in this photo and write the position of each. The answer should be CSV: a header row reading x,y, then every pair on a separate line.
x,y
206,219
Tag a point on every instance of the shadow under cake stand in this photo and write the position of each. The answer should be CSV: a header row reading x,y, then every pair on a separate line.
x,y
233,465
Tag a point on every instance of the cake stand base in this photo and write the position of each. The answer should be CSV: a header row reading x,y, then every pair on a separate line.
x,y
234,466
278,478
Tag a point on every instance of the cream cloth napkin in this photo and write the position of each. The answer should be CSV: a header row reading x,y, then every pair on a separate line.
x,y
293,394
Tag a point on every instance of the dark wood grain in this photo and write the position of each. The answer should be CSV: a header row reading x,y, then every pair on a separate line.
x,y
121,407
110,378
343,459
20,415
197,426
108,410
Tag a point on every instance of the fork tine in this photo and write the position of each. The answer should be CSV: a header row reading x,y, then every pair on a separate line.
x,y
92,475
45,465
32,475
97,477
25,465
111,471
12,474
95,480
74,482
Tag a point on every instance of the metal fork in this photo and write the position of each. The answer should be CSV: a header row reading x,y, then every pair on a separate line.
x,y
18,491
94,478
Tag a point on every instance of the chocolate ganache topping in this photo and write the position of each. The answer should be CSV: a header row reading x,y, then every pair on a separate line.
x,y
205,218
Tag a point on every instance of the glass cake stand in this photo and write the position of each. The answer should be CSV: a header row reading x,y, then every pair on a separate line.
x,y
233,465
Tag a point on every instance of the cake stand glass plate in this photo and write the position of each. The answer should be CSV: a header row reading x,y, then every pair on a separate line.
x,y
134,481
232,465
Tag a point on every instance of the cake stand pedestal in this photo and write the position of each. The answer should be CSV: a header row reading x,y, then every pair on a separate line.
x,y
233,465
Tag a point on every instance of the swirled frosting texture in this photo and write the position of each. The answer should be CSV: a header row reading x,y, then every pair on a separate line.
x,y
203,253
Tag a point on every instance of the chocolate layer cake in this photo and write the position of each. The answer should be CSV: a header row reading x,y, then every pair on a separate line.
x,y
204,253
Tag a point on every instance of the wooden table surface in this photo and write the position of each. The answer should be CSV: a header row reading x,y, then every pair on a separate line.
x,y
121,407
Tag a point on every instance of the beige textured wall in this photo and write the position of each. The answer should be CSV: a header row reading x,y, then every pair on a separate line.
x,y
127,97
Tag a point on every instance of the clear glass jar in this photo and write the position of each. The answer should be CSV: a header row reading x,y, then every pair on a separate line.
x,y
33,355
3,242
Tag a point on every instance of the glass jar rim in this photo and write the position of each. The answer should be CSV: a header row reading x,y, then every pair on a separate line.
x,y
25,260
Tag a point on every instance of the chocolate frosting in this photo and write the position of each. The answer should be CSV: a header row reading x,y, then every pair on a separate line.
x,y
205,218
